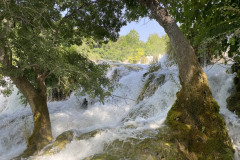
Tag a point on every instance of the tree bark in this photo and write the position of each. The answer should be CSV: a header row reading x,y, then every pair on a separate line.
x,y
194,118
37,98
186,58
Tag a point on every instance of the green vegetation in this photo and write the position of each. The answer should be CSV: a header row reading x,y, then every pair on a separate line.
x,y
152,83
212,27
156,45
194,118
128,48
203,138
60,143
36,52
48,44
233,102
158,146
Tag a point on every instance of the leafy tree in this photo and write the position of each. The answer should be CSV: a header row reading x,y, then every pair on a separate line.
x,y
86,49
125,46
211,26
195,114
35,37
129,47
136,57
156,45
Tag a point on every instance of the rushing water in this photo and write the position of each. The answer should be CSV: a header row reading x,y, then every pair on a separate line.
x,y
113,117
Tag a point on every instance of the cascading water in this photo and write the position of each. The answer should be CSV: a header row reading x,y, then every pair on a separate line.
x,y
121,117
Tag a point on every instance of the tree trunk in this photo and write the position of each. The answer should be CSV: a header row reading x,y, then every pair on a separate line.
x,y
42,134
36,96
194,118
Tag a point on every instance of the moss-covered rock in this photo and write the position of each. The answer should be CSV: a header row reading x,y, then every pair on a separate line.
x,y
236,81
197,125
153,68
133,67
88,134
150,86
156,147
118,72
115,75
195,130
233,103
61,141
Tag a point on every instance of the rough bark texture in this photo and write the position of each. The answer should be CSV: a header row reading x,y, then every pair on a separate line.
x,y
194,118
186,59
37,99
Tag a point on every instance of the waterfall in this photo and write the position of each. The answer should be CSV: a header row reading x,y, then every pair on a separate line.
x,y
119,118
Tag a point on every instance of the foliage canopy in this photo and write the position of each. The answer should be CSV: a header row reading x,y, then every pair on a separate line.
x,y
212,27
131,48
35,39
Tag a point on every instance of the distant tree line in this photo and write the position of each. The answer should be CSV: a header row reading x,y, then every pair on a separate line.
x,y
128,48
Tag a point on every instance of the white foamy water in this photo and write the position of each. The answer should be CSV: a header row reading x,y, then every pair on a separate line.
x,y
119,118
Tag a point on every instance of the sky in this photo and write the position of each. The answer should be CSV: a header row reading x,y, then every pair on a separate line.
x,y
144,27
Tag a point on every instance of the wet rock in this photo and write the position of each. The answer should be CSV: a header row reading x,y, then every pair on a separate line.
x,y
61,141
233,103
151,85
84,105
198,126
133,67
116,76
88,134
153,68
121,71
158,147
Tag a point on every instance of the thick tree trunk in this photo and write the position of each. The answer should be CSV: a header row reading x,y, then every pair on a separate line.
x,y
42,134
186,58
194,118
36,96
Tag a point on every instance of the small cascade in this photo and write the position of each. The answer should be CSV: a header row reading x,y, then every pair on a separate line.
x,y
221,84
15,125
136,110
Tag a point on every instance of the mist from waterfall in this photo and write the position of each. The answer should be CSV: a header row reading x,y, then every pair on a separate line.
x,y
120,117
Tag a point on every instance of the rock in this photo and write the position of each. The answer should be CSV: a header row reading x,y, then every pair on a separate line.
x,y
115,76
84,105
233,103
158,147
61,141
151,86
88,134
153,68
133,67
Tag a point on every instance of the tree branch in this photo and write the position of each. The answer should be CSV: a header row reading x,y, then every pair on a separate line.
x,y
3,57
10,54
62,21
41,77
123,97
41,84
